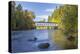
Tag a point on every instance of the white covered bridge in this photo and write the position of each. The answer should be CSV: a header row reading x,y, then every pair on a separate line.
x,y
45,25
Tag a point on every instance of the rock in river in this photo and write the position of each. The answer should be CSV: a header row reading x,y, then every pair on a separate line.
x,y
43,45
33,39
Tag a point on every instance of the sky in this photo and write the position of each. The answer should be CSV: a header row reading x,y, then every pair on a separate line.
x,y
41,10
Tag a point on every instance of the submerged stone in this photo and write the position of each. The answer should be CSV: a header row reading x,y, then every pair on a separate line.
x,y
43,45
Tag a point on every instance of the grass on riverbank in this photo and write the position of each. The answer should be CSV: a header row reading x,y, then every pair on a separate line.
x,y
62,41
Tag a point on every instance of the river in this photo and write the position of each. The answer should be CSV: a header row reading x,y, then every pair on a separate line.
x,y
23,41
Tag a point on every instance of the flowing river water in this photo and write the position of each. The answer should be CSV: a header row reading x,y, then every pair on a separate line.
x,y
23,41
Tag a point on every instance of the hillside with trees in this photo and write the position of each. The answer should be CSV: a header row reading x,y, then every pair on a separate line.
x,y
21,19
67,18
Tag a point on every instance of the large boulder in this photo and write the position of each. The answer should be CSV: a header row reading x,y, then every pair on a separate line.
x,y
43,45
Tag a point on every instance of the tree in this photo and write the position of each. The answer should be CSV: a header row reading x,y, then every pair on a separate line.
x,y
22,19
13,21
66,16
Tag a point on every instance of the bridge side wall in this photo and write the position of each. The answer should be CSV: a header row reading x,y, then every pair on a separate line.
x,y
45,25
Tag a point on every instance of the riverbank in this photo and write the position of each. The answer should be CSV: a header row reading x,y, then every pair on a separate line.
x,y
60,39
21,29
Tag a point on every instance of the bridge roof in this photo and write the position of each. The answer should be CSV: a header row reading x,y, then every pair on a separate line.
x,y
45,22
